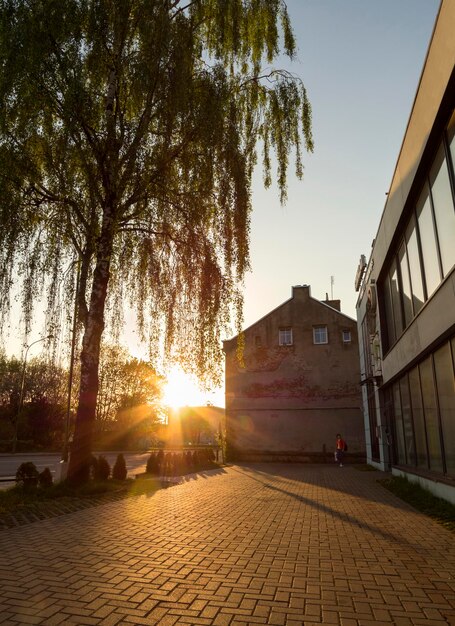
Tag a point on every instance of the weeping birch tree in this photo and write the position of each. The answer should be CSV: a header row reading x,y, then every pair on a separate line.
x,y
129,131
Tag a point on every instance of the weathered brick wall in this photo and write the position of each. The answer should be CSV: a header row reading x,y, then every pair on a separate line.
x,y
295,398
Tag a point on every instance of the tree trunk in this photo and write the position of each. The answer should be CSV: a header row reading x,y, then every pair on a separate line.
x,y
82,446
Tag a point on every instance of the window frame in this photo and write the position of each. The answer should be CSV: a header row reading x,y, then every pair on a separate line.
x,y
285,332
316,330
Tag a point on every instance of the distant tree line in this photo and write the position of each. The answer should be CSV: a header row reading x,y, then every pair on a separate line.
x,y
128,412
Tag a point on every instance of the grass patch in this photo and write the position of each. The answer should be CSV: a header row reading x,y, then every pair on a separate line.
x,y
20,505
421,499
364,467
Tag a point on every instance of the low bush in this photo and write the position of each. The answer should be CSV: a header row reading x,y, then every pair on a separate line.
x,y
27,475
152,466
103,469
93,470
119,471
45,478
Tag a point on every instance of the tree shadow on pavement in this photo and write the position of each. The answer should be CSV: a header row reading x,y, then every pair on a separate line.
x,y
278,477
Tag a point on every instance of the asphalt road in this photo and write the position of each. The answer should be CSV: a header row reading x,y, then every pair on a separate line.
x,y
135,463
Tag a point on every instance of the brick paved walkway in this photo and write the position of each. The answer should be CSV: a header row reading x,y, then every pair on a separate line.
x,y
250,544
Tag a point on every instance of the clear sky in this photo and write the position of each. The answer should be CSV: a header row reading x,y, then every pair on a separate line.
x,y
360,61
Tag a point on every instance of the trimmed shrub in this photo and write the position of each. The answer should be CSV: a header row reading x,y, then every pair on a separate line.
x,y
93,467
119,471
27,474
152,466
45,478
103,469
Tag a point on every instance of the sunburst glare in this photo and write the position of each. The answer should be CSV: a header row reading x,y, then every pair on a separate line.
x,y
182,389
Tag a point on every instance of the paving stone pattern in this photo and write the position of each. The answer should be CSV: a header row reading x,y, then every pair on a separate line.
x,y
249,544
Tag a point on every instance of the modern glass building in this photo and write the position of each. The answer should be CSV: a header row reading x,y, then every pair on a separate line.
x,y
406,304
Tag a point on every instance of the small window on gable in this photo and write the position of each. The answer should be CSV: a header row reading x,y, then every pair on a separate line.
x,y
346,336
285,336
320,334
257,341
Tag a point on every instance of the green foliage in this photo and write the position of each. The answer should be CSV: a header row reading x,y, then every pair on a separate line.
x,y
93,467
421,499
41,420
127,410
128,139
153,465
119,471
102,469
155,110
27,475
45,478
180,462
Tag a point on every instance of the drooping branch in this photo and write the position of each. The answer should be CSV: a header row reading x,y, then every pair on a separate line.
x,y
128,133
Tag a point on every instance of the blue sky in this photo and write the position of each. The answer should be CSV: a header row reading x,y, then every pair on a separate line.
x,y
360,61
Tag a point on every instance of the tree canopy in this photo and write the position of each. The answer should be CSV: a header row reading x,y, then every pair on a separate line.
x,y
129,131
125,383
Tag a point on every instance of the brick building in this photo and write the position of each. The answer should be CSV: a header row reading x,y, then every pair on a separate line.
x,y
296,384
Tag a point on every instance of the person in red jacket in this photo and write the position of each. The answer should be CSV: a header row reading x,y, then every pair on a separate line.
x,y
340,448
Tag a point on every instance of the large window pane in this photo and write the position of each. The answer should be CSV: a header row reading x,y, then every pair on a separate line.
x,y
396,303
443,210
446,394
406,284
418,297
431,414
407,422
451,138
428,242
391,335
400,448
366,348
418,419
372,416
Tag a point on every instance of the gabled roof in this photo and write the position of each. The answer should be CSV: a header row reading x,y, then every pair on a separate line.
x,y
321,302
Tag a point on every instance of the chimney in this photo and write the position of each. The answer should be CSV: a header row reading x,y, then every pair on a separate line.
x,y
335,304
301,292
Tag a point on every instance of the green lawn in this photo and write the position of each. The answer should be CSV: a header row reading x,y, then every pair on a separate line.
x,y
438,509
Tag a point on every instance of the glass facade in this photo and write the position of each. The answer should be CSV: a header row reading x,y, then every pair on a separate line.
x,y
429,246
418,418
423,413
415,270
441,194
451,139
445,383
405,284
372,415
425,255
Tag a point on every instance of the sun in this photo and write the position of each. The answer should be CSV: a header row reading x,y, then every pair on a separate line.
x,y
181,389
